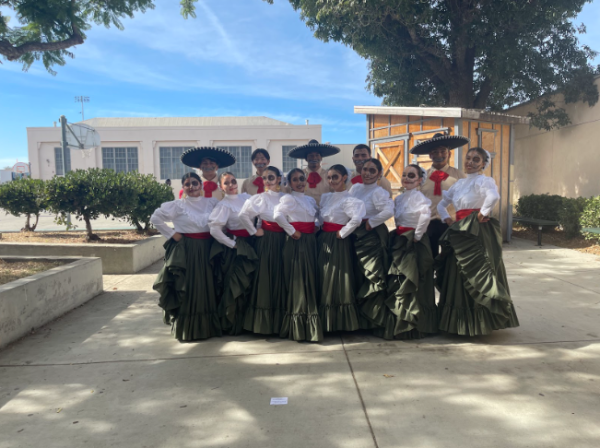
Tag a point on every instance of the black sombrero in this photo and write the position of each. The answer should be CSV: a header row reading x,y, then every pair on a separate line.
x,y
448,141
300,152
193,156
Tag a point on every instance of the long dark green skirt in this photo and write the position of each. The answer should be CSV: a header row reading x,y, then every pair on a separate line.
x,y
301,320
411,293
187,290
371,249
474,294
337,283
237,267
265,311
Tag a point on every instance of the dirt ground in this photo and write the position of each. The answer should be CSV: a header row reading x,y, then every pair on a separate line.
x,y
77,237
11,271
557,238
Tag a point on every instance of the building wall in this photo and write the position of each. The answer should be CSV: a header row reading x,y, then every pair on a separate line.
x,y
148,140
565,161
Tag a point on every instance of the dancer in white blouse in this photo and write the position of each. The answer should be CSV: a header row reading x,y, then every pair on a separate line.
x,y
411,293
474,294
265,311
186,282
370,244
297,214
236,257
341,215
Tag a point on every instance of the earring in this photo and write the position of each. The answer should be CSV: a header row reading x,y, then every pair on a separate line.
x,y
278,189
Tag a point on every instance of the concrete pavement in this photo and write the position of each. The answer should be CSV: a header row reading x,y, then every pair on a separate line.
x,y
109,374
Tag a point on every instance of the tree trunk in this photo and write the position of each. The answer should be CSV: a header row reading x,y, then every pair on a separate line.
x,y
27,227
138,226
37,219
88,227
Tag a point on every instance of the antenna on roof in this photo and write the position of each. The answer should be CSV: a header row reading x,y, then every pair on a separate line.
x,y
82,99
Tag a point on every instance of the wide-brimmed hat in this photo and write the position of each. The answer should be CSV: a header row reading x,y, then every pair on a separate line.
x,y
193,156
447,141
300,152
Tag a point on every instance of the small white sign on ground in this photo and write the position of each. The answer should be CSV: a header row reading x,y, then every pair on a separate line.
x,y
276,401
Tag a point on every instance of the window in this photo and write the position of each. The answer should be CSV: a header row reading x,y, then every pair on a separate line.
x,y
58,162
170,162
289,163
122,160
242,168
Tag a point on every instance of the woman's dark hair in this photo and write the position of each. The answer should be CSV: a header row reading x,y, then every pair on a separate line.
x,y
376,162
481,152
222,175
274,170
418,168
188,175
341,169
291,173
361,146
262,151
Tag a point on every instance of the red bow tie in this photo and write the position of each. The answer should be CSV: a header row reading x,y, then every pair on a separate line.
x,y
438,177
356,180
260,184
313,179
209,186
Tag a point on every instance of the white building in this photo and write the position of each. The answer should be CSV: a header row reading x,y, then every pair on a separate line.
x,y
154,145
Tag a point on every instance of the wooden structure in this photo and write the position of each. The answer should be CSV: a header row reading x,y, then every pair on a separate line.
x,y
393,131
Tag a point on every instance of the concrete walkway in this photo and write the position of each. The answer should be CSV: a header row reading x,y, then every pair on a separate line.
x,y
109,374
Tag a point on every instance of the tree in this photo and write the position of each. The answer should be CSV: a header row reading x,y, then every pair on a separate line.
x,y
87,194
483,54
150,195
50,27
24,197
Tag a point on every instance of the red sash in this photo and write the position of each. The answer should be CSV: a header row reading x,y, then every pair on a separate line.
x,y
400,230
304,227
438,177
271,226
313,179
240,232
197,236
260,184
331,227
357,180
209,186
465,212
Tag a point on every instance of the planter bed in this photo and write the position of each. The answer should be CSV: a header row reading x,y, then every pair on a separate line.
x,y
116,258
33,301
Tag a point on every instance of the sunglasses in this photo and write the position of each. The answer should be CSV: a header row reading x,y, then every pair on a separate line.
x,y
193,183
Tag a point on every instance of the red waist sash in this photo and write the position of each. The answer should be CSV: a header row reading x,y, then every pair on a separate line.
x,y
331,227
400,230
240,232
461,214
304,227
272,226
197,236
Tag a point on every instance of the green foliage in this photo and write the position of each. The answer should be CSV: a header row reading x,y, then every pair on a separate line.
x,y
567,211
481,54
49,27
590,217
150,195
23,197
87,194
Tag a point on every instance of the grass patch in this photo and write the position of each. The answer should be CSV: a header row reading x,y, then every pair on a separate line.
x,y
11,271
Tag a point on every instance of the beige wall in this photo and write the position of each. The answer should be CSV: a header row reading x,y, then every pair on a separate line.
x,y
148,140
564,161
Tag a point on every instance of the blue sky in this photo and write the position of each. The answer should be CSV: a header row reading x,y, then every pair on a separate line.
x,y
238,57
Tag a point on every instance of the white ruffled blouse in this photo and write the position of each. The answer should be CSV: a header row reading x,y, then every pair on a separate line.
x,y
379,206
189,215
261,205
341,208
413,209
295,207
475,191
225,215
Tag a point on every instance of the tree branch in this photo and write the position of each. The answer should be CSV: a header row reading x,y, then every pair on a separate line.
x,y
13,53
484,93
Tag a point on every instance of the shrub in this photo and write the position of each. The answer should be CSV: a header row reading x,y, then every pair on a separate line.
x,y
24,197
150,195
590,217
567,211
88,194
570,215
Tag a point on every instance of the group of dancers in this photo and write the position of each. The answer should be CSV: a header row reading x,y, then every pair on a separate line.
x,y
309,252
